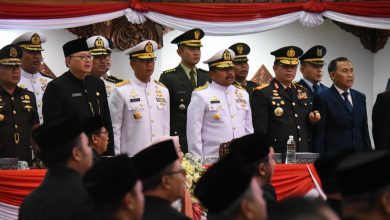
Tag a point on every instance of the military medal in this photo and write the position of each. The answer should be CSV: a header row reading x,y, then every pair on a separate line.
x,y
137,115
278,111
217,116
1,117
282,102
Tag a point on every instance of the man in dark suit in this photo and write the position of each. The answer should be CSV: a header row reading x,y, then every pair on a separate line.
x,y
241,67
312,63
282,108
183,79
343,125
65,151
75,92
381,121
158,166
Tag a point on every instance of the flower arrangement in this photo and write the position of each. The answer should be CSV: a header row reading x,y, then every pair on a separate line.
x,y
194,170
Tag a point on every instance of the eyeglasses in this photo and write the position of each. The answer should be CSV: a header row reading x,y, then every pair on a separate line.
x,y
84,57
175,172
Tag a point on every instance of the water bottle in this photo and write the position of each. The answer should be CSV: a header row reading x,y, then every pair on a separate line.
x,y
291,157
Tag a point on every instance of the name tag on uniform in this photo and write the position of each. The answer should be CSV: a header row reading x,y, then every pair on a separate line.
x,y
77,94
215,101
135,100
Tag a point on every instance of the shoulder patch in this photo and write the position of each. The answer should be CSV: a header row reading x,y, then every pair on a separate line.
x,y
124,82
265,85
112,79
202,87
160,83
169,71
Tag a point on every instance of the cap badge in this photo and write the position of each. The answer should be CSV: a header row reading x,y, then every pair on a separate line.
x,y
149,47
291,53
197,35
226,55
240,49
319,52
13,52
35,39
99,42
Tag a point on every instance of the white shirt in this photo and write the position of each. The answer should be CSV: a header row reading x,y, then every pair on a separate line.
x,y
215,115
341,93
139,114
37,84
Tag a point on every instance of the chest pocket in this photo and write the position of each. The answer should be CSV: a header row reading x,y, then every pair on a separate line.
x,y
216,113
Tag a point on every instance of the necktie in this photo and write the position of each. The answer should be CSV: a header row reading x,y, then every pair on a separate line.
x,y
347,102
192,78
315,89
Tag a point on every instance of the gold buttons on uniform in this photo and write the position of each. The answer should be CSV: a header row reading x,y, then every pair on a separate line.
x,y
296,115
299,127
175,132
16,126
12,98
300,139
293,103
14,112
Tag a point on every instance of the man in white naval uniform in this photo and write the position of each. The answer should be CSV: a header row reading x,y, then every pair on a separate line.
x,y
139,108
100,50
31,79
218,112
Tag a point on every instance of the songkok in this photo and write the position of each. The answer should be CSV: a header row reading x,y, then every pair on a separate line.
x,y
10,55
241,50
75,46
252,147
31,41
360,173
154,158
223,184
143,50
93,124
98,45
110,179
190,38
53,134
287,55
314,55
222,59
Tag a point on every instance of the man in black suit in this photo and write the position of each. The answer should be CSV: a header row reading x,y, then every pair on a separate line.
x,y
158,166
343,125
381,121
183,79
61,195
241,67
312,63
75,92
282,108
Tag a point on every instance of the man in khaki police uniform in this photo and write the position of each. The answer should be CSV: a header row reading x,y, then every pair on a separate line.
x,y
31,79
183,79
219,111
139,107
99,47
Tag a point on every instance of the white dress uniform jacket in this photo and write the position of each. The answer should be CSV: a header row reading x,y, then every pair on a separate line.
x,y
139,114
216,114
37,84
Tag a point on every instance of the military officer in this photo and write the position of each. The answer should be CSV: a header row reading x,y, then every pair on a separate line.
x,y
140,106
75,92
218,112
183,79
282,108
18,110
99,47
241,67
312,63
32,79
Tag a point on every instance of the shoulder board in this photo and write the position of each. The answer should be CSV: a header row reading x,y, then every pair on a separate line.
x,y
113,79
124,82
160,83
202,87
265,85
237,85
46,75
169,71
299,86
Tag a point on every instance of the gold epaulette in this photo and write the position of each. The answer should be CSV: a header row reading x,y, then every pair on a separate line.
x,y
202,87
169,71
124,82
299,86
265,85
46,75
238,85
113,79
160,83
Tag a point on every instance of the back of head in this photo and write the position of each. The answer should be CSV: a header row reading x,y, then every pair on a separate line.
x,y
57,138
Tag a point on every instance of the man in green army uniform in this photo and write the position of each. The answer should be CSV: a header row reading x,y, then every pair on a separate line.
x,y
183,79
